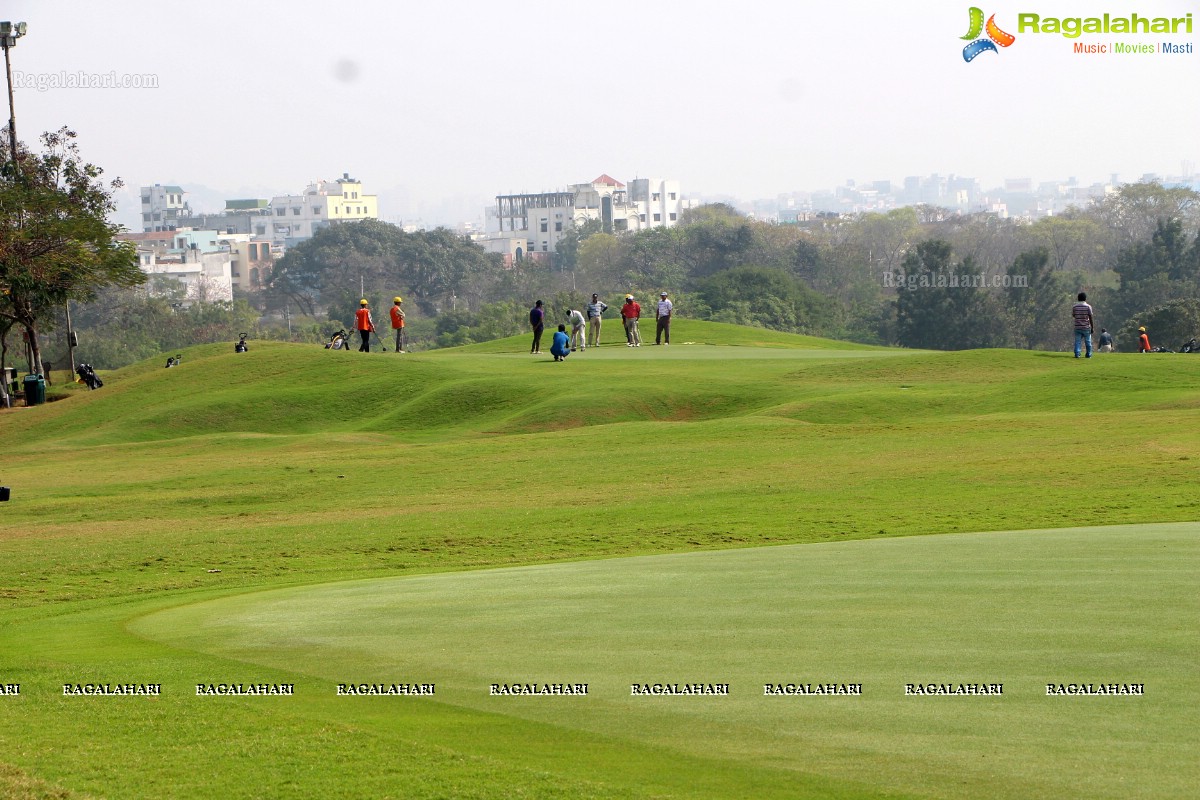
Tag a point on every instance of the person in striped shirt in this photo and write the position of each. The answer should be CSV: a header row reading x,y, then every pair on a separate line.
x,y
594,310
1084,325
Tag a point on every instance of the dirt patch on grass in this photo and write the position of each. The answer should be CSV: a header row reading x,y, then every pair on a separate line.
x,y
17,785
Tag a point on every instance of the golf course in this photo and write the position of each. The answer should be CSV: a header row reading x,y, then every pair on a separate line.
x,y
748,565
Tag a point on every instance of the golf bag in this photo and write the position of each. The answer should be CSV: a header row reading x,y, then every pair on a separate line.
x,y
240,347
339,341
174,362
89,376
1192,346
1161,349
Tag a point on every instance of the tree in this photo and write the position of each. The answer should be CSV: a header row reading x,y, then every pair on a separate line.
x,y
1072,241
717,244
56,243
1156,271
1135,210
940,306
767,297
341,262
709,212
885,238
657,258
1036,303
601,260
1171,324
566,252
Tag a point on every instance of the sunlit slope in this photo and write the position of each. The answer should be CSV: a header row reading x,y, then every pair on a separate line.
x,y
294,389
280,388
298,463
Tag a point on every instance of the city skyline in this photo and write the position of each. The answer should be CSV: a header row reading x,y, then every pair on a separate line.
x,y
439,108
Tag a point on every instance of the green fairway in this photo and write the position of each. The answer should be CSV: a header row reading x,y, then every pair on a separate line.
x,y
155,522
1020,609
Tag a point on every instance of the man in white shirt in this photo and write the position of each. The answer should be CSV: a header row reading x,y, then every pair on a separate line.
x,y
662,320
575,317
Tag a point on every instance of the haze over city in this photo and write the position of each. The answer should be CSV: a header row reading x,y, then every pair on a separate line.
x,y
437,108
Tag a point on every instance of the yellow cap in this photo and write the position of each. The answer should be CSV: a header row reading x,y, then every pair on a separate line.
x,y
397,299
1141,330
362,302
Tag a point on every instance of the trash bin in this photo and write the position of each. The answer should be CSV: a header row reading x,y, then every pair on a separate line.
x,y
35,390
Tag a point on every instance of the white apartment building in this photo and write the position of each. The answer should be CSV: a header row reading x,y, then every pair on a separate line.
x,y
206,277
525,224
163,208
297,217
659,202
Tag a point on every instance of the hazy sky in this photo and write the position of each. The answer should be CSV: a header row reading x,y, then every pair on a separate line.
x,y
442,104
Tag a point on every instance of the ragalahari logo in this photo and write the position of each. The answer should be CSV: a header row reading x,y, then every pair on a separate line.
x,y
995,36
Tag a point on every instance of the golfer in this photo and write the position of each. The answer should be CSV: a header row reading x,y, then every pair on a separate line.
x,y
631,312
575,317
398,323
1106,341
662,320
362,321
560,348
594,310
1143,340
537,320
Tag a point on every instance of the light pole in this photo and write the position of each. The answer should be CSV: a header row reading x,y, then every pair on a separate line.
x,y
9,33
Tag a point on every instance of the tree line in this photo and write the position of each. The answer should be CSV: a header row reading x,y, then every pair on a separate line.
x,y
915,277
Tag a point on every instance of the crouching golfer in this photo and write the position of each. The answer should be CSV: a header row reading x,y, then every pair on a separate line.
x,y
561,347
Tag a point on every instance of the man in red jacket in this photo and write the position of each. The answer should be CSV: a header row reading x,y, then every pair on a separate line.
x,y
631,312
1143,341
362,321
398,323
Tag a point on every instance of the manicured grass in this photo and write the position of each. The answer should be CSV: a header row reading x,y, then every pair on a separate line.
x,y
293,465
1023,609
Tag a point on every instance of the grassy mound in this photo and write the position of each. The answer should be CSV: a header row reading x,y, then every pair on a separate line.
x,y
295,465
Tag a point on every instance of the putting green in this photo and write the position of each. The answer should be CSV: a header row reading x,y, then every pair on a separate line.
x,y
682,351
1024,609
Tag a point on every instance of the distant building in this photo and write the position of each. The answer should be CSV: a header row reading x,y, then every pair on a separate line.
x,y
295,218
659,202
251,217
524,224
284,219
193,258
206,275
252,260
163,208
